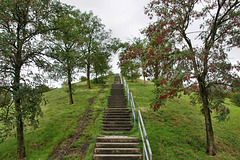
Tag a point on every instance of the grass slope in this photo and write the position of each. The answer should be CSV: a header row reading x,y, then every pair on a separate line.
x,y
61,120
177,130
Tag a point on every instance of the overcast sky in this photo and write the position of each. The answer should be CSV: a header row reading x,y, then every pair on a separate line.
x,y
125,18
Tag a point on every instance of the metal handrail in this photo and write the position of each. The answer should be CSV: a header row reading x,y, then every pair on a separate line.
x,y
143,135
120,78
133,108
147,152
130,100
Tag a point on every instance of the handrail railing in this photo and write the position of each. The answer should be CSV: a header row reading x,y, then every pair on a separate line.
x,y
130,100
143,135
120,78
147,152
133,108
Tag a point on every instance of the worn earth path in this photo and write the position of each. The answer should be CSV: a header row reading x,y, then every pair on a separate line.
x,y
117,118
64,148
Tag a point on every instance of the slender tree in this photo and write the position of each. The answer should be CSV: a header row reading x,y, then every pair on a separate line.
x,y
96,41
102,57
204,68
129,66
21,25
146,55
65,43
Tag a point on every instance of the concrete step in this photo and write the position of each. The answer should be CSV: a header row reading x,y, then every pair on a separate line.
x,y
117,86
117,106
116,119
117,101
117,139
117,97
115,113
117,92
116,116
116,122
116,145
117,150
117,156
117,129
114,103
117,125
117,110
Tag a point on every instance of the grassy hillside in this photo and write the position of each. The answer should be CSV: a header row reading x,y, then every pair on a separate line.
x,y
177,130
64,127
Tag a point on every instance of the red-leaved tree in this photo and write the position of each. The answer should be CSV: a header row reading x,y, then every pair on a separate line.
x,y
203,68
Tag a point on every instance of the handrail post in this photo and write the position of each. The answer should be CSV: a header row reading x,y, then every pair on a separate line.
x,y
144,135
120,78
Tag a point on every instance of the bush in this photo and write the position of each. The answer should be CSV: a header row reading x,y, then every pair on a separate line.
x,y
43,88
5,98
82,79
234,97
99,80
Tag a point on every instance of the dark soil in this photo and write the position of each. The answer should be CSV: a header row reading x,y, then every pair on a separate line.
x,y
64,147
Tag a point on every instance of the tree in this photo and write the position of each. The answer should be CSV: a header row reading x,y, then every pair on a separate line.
x,y
101,63
136,51
65,43
21,25
102,57
97,40
129,67
204,68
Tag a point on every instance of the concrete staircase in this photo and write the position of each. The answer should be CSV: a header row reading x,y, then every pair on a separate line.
x,y
117,118
117,148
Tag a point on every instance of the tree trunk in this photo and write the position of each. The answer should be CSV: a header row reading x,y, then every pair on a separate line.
x,y
211,150
88,76
70,87
144,80
96,78
19,122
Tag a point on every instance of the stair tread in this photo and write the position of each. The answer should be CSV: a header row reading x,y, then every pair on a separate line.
x,y
117,148
118,155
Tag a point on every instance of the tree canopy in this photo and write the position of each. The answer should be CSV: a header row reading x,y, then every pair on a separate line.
x,y
184,67
203,68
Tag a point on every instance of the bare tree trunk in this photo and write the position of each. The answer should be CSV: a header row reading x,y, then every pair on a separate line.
x,y
70,87
211,150
88,76
19,122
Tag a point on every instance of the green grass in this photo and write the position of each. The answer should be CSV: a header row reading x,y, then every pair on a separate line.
x,y
177,130
60,120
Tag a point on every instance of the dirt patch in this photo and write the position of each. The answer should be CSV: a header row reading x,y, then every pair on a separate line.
x,y
64,148
91,100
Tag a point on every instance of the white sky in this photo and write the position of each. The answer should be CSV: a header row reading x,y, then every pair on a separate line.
x,y
125,18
